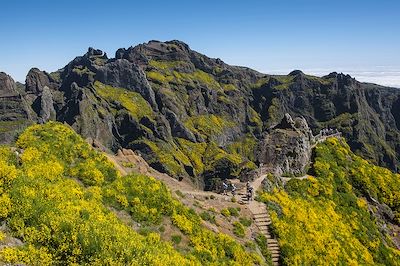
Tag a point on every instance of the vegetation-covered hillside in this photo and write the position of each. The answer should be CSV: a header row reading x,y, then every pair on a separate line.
x,y
61,199
336,216
194,116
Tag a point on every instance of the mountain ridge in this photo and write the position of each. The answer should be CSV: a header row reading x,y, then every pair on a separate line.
x,y
183,100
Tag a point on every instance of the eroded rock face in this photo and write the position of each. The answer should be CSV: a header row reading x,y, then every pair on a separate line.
x,y
203,110
15,112
286,147
47,110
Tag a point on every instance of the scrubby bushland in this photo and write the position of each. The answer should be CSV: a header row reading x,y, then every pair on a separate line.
x,y
331,217
57,197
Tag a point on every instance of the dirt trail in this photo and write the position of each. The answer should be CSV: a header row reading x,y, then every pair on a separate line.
x,y
127,161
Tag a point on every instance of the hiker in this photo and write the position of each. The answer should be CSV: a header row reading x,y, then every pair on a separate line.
x,y
247,185
250,193
233,189
225,187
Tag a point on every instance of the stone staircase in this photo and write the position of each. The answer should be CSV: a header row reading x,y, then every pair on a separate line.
x,y
263,221
243,197
261,217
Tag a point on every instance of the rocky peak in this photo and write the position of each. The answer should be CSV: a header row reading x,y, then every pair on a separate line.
x,y
286,123
296,73
36,80
7,85
15,113
94,52
155,50
286,148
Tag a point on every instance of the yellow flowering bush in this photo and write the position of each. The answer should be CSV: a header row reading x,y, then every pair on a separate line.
x,y
58,202
54,141
326,219
7,174
28,255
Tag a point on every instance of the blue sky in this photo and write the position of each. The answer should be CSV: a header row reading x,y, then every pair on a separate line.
x,y
358,37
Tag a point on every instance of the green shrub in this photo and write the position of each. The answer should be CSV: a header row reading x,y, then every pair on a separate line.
x,y
225,212
234,211
179,193
206,216
137,106
262,244
176,239
238,229
244,221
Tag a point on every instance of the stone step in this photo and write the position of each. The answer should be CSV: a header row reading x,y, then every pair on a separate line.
x,y
262,217
258,217
263,226
275,259
273,246
262,220
261,214
274,249
268,221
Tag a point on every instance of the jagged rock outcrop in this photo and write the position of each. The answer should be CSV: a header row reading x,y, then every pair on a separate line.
x,y
15,112
365,113
286,148
189,114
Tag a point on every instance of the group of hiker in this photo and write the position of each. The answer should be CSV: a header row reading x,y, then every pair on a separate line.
x,y
249,189
328,131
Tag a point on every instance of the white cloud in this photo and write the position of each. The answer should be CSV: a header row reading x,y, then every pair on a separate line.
x,y
381,75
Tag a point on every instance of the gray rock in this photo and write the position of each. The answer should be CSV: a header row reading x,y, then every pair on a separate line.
x,y
287,147
15,112
177,128
47,111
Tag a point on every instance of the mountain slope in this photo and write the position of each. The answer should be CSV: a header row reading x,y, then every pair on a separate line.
x,y
193,116
347,214
64,202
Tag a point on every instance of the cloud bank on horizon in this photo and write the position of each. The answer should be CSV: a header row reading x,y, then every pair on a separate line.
x,y
381,75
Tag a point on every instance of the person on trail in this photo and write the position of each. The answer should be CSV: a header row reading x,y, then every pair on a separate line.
x,y
233,189
249,193
225,187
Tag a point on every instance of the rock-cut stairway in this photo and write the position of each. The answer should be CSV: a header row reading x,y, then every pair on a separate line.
x,y
263,222
262,219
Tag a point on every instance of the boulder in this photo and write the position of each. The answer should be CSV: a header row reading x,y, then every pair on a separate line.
x,y
286,148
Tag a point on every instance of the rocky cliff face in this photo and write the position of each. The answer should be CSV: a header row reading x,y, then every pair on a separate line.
x,y
15,112
190,115
367,114
286,148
